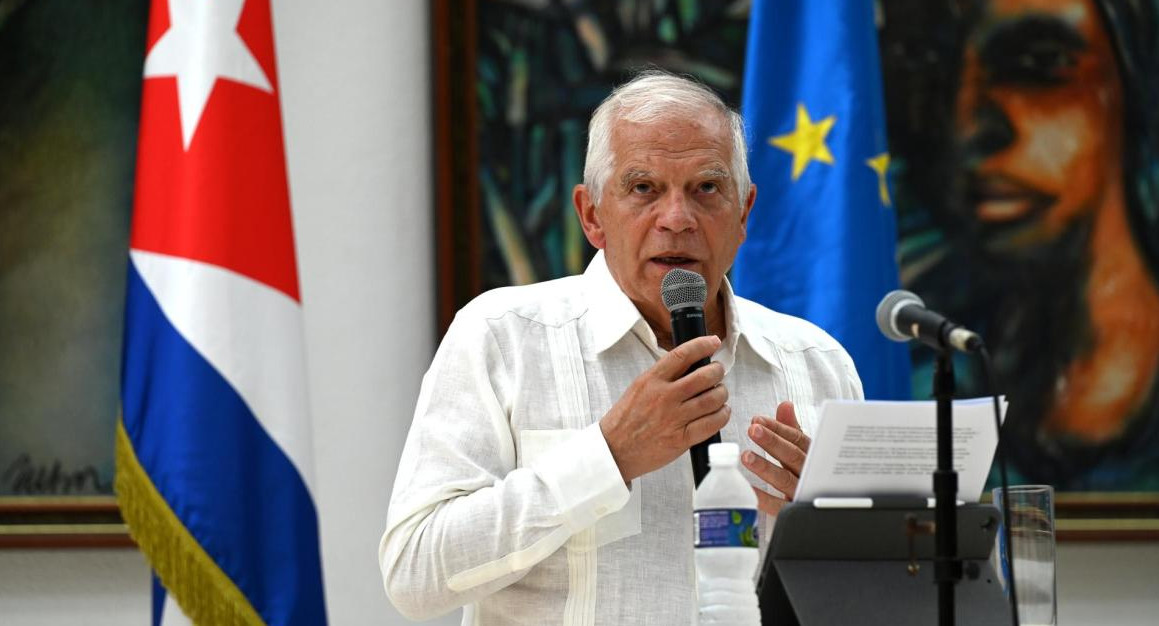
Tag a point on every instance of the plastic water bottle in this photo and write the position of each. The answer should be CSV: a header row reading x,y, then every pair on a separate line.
x,y
725,537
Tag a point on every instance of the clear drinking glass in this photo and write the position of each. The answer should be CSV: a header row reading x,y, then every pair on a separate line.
x,y
1032,538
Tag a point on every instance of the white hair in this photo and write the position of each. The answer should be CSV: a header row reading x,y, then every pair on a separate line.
x,y
650,97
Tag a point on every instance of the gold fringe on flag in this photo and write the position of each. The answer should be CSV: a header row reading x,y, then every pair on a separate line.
x,y
201,588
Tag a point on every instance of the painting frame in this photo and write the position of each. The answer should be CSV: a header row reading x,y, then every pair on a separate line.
x,y
1107,516
456,150
62,522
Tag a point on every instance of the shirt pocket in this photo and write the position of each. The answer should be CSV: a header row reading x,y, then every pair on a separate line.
x,y
535,445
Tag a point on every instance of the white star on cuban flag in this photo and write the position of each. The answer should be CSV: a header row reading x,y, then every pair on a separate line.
x,y
200,46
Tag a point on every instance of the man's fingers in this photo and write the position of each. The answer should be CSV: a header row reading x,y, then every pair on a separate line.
x,y
706,426
768,503
780,478
788,433
706,402
674,364
791,456
787,415
699,380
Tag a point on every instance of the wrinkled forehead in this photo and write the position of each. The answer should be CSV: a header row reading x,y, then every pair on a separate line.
x,y
704,137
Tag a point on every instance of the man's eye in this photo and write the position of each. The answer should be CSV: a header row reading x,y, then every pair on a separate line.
x,y
709,188
641,188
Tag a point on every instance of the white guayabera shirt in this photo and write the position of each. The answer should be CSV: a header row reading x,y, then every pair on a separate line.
x,y
507,500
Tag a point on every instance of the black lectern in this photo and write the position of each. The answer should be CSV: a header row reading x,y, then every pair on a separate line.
x,y
875,565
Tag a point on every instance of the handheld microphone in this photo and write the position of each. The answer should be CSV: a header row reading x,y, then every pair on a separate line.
x,y
901,316
683,293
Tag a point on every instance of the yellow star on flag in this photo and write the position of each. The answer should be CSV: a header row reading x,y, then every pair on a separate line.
x,y
880,164
807,141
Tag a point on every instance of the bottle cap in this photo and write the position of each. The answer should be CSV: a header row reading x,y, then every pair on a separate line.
x,y
723,454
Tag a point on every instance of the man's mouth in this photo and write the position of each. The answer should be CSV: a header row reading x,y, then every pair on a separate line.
x,y
673,261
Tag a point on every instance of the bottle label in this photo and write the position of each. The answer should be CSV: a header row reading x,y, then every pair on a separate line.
x,y
728,528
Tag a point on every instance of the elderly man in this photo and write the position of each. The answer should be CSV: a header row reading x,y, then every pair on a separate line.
x,y
546,477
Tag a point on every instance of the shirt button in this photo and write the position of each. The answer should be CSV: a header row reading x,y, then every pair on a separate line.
x,y
600,510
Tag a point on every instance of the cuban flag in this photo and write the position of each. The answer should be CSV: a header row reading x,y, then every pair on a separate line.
x,y
213,450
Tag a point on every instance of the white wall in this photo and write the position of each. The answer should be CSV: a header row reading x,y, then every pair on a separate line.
x,y
64,587
356,96
1108,584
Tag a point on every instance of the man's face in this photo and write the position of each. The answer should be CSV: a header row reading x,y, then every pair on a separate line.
x,y
1039,117
671,201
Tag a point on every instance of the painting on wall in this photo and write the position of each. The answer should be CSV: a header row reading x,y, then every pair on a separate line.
x,y
69,99
1026,138
1025,144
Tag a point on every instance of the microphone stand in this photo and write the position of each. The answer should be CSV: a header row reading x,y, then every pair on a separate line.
x,y
947,566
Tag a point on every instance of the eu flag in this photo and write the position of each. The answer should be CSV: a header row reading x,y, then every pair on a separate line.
x,y
821,238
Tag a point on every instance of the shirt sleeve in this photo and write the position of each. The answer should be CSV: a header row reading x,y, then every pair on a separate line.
x,y
851,381
464,521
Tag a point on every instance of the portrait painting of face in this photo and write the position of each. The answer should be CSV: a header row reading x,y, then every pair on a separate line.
x,y
1028,213
1038,115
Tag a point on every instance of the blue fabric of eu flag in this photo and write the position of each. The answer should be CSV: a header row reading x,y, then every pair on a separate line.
x,y
822,235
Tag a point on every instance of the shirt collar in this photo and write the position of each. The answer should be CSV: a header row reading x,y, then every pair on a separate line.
x,y
613,315
736,327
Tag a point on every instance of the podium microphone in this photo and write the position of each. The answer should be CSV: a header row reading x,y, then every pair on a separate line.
x,y
901,316
684,293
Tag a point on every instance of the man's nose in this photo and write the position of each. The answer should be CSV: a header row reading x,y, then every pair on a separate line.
x,y
676,212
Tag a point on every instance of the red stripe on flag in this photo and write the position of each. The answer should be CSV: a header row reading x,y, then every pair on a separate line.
x,y
225,201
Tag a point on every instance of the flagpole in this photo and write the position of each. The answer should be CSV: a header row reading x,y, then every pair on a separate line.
x,y
947,566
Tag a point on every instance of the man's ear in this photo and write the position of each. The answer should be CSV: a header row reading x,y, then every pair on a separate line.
x,y
585,210
745,209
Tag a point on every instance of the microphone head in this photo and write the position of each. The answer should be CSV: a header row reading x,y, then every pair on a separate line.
x,y
682,288
887,312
